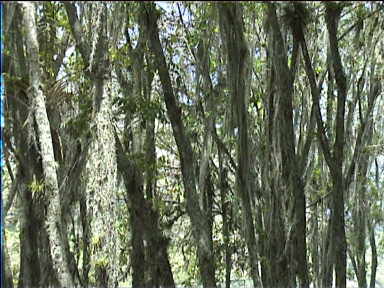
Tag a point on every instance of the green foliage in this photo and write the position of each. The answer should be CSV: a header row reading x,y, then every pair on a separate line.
x,y
198,33
36,186
146,109
78,126
102,262
62,19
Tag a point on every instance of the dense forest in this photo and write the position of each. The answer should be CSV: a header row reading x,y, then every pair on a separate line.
x,y
186,144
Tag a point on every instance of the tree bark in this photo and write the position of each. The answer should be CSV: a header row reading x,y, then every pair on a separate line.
x,y
101,157
7,279
359,216
200,227
371,232
145,227
374,263
225,211
337,254
332,14
232,29
296,247
86,239
29,273
146,219
48,161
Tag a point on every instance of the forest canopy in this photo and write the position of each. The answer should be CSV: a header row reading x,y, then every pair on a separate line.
x,y
193,144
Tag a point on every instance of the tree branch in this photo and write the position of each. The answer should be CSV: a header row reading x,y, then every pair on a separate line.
x,y
77,32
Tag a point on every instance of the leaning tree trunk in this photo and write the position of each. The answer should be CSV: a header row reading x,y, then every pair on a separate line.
x,y
200,226
337,254
45,140
145,220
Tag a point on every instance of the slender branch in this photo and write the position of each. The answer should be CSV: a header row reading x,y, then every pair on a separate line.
x,y
319,200
315,91
222,146
358,21
12,193
77,32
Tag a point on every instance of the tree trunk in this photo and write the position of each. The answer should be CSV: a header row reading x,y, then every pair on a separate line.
x,y
138,259
47,275
101,189
146,222
296,247
101,157
225,211
7,279
232,30
206,190
144,227
29,260
270,216
327,258
359,216
372,242
44,136
336,255
86,240
29,273
315,250
338,232
200,227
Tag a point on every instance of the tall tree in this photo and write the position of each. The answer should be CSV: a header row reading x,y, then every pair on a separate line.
x,y
200,227
53,221
151,264
214,141
231,23
101,160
